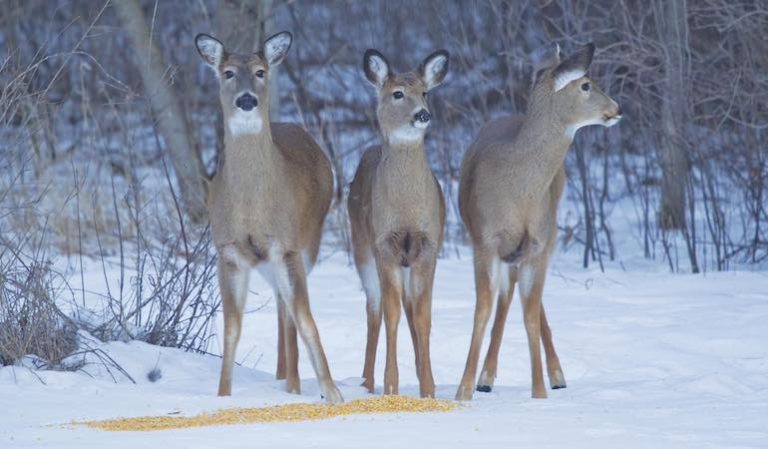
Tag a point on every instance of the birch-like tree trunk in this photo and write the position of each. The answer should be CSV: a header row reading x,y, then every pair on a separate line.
x,y
185,158
672,23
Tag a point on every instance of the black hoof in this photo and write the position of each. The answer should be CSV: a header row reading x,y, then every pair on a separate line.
x,y
484,388
558,387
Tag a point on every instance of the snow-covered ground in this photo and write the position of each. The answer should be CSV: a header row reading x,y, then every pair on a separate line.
x,y
652,360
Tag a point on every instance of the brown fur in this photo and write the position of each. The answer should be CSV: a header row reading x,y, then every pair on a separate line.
x,y
512,178
267,204
397,212
266,192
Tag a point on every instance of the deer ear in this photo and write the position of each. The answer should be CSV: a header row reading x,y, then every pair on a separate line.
x,y
276,47
434,68
573,67
376,67
545,60
210,49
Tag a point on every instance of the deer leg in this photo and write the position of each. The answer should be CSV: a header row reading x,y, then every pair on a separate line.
x,y
531,281
373,310
408,306
488,374
291,282
391,294
290,351
370,278
421,289
482,313
233,277
280,371
554,370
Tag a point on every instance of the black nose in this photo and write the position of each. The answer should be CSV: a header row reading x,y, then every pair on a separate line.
x,y
246,102
619,111
422,116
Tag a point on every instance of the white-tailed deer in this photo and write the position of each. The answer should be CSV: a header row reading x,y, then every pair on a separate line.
x,y
511,180
397,212
267,205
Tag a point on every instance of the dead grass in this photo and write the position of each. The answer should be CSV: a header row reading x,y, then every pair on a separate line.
x,y
30,321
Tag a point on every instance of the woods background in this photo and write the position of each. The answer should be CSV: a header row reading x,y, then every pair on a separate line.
x,y
108,118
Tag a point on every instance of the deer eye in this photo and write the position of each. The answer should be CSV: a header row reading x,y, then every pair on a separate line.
x,y
229,74
260,74
398,94
424,94
585,87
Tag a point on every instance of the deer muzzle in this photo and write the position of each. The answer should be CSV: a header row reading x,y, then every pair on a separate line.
x,y
421,119
246,102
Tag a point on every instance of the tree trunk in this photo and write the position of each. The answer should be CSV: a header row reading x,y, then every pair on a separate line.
x,y
671,19
171,121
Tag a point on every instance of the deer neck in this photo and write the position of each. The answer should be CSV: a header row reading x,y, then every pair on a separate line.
x,y
251,156
405,157
404,192
404,172
544,140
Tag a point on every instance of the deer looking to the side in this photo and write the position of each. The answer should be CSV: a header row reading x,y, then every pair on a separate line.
x,y
267,204
511,180
397,212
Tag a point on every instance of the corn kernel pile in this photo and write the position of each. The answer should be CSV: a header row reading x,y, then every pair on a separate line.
x,y
287,412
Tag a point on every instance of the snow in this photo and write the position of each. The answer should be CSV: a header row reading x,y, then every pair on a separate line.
x,y
652,359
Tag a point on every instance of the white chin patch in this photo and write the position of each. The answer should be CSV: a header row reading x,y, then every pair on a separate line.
x,y
570,130
612,121
420,124
407,133
566,77
242,122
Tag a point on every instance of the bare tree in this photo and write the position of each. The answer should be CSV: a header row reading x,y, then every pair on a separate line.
x,y
671,21
689,157
174,129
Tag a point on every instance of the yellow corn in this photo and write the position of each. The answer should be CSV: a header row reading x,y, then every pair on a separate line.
x,y
275,413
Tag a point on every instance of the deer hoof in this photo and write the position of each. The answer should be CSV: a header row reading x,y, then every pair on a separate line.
x,y
557,380
464,394
333,396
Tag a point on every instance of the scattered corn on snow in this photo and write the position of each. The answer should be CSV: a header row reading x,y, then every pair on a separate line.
x,y
287,412
652,360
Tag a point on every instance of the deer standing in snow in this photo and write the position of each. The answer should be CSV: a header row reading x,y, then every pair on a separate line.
x,y
511,180
267,204
397,212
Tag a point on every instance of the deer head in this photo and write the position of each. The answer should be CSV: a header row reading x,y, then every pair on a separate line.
x,y
572,97
243,80
402,109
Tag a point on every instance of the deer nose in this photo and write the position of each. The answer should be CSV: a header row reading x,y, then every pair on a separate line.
x,y
422,116
246,102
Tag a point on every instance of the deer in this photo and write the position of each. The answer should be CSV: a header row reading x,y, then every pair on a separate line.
x,y
511,180
397,213
267,203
